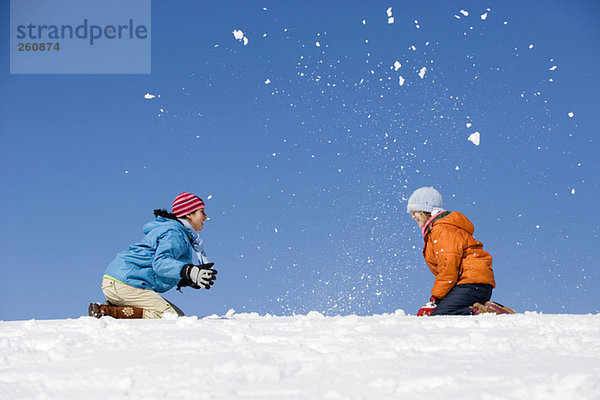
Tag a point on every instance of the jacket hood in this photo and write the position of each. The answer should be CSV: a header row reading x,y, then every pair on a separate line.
x,y
457,219
162,222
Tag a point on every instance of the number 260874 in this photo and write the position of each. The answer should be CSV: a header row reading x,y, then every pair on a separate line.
x,y
38,46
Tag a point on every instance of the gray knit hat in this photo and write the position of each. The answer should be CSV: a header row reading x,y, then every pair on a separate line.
x,y
425,199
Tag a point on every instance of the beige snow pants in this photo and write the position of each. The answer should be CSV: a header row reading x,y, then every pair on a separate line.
x,y
121,294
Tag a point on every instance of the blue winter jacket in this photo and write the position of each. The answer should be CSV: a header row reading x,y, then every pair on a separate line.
x,y
156,262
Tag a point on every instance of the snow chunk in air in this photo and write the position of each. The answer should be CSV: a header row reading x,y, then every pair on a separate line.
x,y
238,34
474,138
422,72
389,14
149,96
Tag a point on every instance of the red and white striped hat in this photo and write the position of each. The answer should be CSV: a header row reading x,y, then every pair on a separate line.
x,y
186,203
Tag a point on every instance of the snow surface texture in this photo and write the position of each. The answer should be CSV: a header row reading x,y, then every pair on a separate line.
x,y
524,356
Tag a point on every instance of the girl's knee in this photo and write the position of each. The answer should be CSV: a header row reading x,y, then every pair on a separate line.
x,y
159,312
151,314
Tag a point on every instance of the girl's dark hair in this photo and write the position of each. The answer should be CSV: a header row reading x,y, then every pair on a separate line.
x,y
165,214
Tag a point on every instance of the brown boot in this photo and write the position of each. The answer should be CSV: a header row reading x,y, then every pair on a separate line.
x,y
101,310
499,308
491,307
94,310
479,308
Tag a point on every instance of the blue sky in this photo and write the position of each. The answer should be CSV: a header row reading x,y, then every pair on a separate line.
x,y
308,153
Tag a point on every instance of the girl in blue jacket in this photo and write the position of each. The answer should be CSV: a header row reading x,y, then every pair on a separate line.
x,y
161,261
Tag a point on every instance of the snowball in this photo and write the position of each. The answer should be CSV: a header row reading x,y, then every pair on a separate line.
x,y
474,138
238,34
389,14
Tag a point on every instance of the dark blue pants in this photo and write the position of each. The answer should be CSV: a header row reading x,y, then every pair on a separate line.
x,y
459,299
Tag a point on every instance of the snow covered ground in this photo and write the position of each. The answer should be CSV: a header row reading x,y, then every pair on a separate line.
x,y
524,356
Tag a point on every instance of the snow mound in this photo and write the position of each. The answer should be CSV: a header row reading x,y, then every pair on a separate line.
x,y
523,356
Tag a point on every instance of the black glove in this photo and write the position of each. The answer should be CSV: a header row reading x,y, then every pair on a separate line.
x,y
198,276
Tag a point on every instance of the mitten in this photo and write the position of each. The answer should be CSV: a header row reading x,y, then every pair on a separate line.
x,y
428,308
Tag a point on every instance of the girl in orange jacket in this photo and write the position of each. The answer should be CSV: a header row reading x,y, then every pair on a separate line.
x,y
463,269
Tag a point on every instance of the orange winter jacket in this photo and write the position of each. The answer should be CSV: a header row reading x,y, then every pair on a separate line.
x,y
453,255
